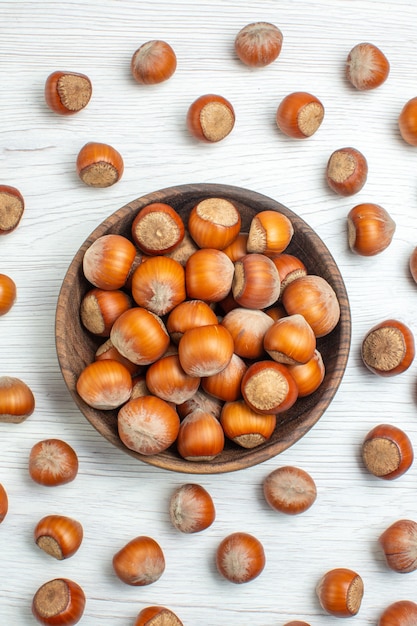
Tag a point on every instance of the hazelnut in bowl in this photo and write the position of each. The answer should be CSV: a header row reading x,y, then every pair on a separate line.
x,y
203,328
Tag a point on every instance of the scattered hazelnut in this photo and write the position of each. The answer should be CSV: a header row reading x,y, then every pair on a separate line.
x,y
12,206
347,171
59,601
340,592
157,616
240,557
258,44
154,62
67,93
413,264
388,348
4,503
140,562
366,66
52,462
58,535
289,490
99,165
407,122
370,229
191,508
7,293
387,452
399,544
210,118
401,613
17,401
299,115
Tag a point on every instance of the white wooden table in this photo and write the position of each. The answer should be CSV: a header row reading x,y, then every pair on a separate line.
x,y
114,496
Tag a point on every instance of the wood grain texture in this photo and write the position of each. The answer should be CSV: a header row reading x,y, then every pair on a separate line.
x,y
115,496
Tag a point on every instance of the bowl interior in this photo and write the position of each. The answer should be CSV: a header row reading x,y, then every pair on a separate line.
x,y
76,346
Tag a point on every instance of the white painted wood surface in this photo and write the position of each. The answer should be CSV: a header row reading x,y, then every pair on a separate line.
x,y
113,496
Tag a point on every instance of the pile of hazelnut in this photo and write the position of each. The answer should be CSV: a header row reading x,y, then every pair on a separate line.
x,y
218,328
387,349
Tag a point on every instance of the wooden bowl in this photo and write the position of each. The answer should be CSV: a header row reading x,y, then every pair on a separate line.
x,y
76,346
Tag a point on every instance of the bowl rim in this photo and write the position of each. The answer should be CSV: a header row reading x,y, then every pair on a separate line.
x,y
252,456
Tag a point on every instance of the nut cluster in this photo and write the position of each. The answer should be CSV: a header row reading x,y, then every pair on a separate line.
x,y
191,375
165,322
53,462
240,556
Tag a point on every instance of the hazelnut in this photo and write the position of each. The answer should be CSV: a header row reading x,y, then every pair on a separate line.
x,y
347,171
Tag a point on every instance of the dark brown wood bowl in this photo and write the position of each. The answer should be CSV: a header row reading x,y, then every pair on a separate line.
x,y
76,346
